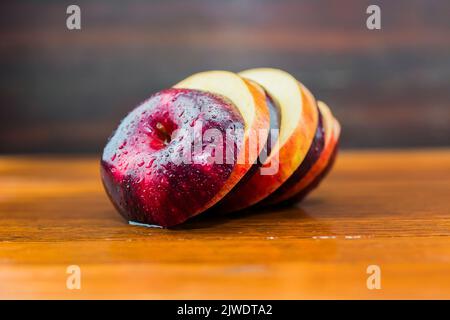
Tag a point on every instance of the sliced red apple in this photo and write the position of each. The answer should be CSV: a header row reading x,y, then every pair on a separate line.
x,y
299,120
143,168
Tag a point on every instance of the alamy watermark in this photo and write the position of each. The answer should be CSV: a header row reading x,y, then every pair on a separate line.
x,y
374,280
73,281
197,145
73,21
373,21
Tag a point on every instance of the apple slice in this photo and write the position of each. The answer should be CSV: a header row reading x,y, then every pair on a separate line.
x,y
299,120
313,154
321,173
317,166
250,100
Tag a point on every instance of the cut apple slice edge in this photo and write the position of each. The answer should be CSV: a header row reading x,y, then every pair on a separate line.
x,y
326,170
250,101
332,131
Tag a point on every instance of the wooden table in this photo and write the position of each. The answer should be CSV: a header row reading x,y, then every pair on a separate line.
x,y
385,208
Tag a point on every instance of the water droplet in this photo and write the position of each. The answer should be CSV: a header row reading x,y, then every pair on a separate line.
x,y
124,143
150,163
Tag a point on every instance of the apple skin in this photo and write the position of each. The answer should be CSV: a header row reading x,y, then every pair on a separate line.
x,y
137,167
275,122
318,179
314,152
328,157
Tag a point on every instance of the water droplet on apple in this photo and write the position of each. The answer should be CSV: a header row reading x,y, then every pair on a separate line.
x,y
124,143
150,163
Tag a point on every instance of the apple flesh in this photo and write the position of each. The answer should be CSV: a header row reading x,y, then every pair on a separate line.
x,y
138,169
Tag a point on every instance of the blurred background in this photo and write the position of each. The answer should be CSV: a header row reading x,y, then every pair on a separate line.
x,y
65,91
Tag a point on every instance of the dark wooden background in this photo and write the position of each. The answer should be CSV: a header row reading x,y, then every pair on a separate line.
x,y
65,91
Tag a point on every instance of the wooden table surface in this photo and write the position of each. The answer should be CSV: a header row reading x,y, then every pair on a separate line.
x,y
384,208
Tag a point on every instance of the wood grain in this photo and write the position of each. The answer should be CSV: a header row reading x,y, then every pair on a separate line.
x,y
388,208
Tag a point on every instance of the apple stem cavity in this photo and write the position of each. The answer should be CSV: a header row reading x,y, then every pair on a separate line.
x,y
164,134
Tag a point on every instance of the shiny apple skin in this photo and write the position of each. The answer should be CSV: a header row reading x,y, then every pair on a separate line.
x,y
138,170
